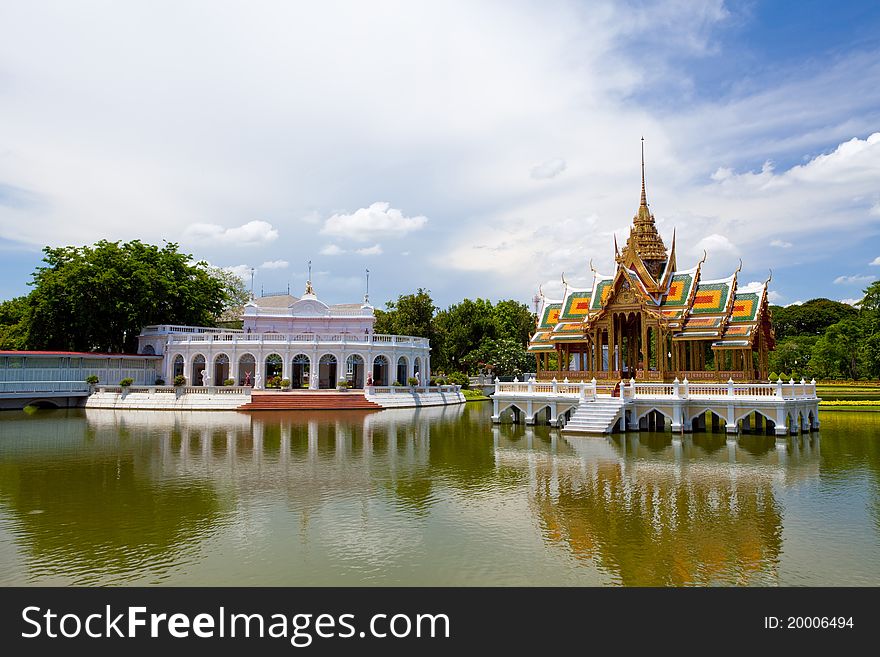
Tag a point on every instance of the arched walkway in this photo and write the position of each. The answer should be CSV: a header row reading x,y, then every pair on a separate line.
x,y
354,370
221,369
247,366
273,367
380,371
198,369
327,371
402,369
177,367
300,372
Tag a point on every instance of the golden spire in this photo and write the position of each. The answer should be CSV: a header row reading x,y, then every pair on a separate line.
x,y
644,242
644,202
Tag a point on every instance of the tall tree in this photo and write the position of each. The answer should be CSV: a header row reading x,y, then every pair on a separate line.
x,y
235,294
97,298
13,323
411,314
809,318
514,320
461,328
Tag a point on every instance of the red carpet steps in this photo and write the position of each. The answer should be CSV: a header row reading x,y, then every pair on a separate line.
x,y
308,401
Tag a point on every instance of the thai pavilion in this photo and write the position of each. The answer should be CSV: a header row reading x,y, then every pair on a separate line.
x,y
651,321
311,343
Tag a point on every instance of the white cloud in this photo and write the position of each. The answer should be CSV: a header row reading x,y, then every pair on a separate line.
x,y
379,219
856,279
774,297
548,169
253,233
331,250
150,141
242,271
794,303
851,302
781,244
875,262
376,249
275,264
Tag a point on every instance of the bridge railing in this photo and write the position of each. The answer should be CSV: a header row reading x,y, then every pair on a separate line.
x,y
631,390
43,386
188,390
554,387
407,390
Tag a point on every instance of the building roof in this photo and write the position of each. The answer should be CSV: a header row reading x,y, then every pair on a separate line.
x,y
691,308
84,354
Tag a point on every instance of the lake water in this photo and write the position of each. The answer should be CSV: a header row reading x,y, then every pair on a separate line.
x,y
428,497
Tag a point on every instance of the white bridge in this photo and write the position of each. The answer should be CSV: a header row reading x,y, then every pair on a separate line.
x,y
780,408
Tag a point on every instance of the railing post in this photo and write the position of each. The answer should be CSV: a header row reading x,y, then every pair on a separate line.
x,y
730,391
813,387
675,388
531,386
497,383
686,391
593,383
779,387
554,385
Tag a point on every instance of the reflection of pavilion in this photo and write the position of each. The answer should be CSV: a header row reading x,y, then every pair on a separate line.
x,y
675,513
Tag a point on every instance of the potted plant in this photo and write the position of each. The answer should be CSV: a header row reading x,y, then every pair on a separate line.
x,y
285,385
125,383
92,380
160,381
412,381
179,381
342,384
228,382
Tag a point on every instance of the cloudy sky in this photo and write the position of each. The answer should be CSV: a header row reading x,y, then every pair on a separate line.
x,y
471,148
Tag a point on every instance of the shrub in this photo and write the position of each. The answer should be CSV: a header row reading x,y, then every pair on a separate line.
x,y
126,382
273,382
285,383
160,381
460,379
413,381
774,376
179,380
397,384
91,379
229,382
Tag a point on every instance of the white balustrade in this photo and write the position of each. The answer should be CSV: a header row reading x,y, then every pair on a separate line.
x,y
299,338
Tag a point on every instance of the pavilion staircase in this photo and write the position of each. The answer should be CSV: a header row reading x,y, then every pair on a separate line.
x,y
595,416
309,401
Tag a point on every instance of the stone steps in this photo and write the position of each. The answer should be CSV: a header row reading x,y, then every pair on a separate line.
x,y
311,401
595,416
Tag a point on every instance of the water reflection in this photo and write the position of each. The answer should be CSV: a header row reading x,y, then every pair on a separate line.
x,y
429,496
651,509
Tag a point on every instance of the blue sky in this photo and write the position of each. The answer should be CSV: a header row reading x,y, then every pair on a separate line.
x,y
471,148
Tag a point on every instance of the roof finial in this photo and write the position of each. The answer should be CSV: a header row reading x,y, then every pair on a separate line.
x,y
309,288
739,269
592,268
367,293
644,202
703,259
769,278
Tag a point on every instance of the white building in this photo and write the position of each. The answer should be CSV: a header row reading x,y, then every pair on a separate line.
x,y
305,340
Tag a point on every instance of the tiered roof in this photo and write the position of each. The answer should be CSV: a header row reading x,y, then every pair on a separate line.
x,y
689,307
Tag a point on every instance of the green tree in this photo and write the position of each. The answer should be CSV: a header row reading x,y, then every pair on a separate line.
x,y
836,353
97,298
514,320
411,314
794,355
809,318
235,294
13,323
461,329
504,356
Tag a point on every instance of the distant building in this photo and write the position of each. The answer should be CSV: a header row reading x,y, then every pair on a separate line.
x,y
309,342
